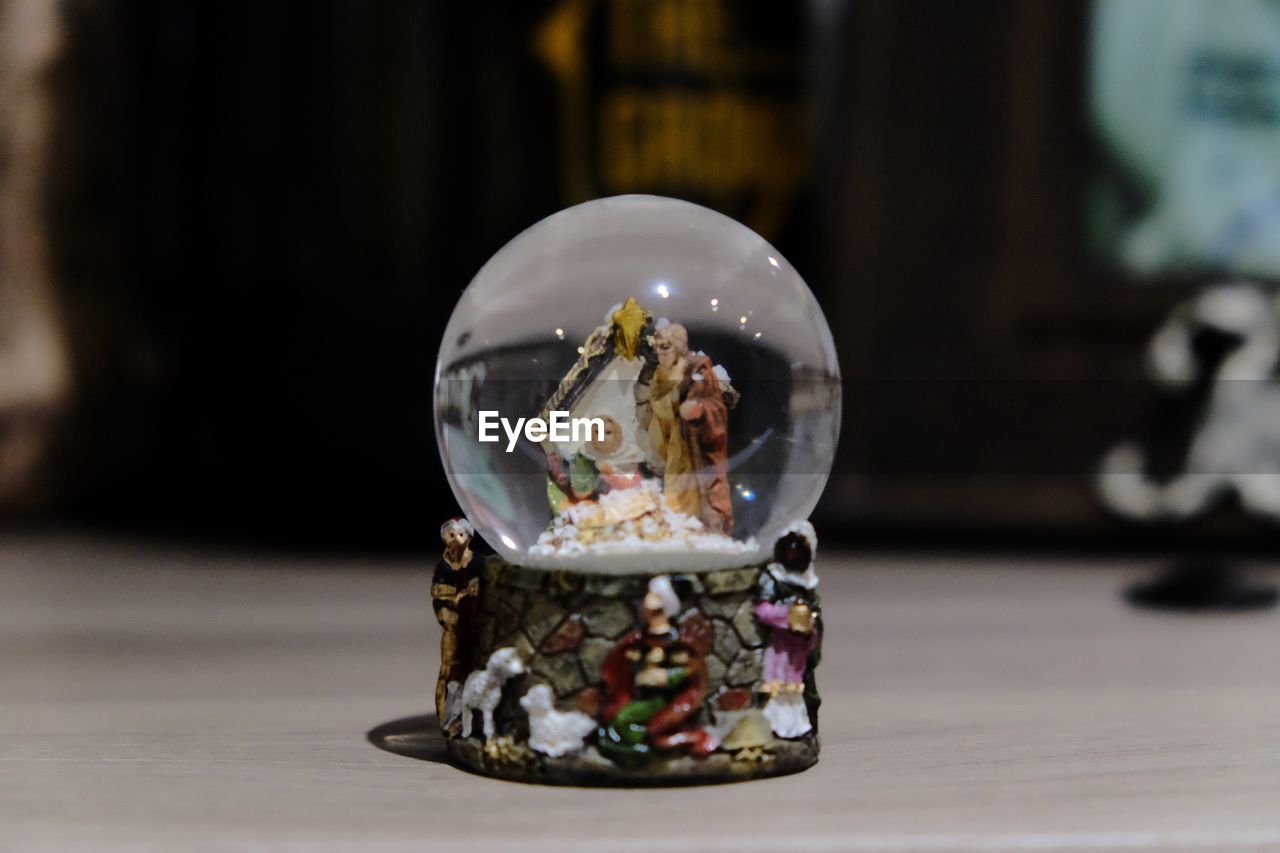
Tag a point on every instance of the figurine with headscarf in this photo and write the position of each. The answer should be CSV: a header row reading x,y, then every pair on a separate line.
x,y
455,595
790,607
683,405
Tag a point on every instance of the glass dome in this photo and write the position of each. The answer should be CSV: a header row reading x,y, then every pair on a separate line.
x,y
683,377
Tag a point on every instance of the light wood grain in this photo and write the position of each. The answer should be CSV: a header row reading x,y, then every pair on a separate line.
x,y
162,699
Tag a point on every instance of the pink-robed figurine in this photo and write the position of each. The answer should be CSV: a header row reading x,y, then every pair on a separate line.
x,y
790,607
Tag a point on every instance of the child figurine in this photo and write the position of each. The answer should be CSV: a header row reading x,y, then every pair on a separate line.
x,y
455,593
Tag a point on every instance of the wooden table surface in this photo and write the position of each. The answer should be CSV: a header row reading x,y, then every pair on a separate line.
x,y
158,698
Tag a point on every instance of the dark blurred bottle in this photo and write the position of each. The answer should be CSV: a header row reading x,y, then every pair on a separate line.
x,y
700,99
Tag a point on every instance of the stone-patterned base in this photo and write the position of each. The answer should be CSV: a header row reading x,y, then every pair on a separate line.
x,y
590,768
562,625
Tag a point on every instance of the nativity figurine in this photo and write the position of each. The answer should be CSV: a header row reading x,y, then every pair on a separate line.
x,y
655,681
654,474
455,596
790,607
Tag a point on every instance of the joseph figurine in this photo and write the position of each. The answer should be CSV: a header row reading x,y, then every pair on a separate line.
x,y
688,430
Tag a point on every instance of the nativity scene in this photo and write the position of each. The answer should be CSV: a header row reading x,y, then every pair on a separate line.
x,y
653,478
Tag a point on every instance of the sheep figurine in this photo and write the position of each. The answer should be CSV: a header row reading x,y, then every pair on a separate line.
x,y
483,688
553,732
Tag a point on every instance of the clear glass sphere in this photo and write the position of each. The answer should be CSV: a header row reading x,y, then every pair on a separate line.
x,y
693,374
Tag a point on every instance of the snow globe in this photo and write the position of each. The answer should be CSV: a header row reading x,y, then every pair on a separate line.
x,y
637,403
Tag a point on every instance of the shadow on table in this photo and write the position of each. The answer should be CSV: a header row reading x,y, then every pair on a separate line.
x,y
413,737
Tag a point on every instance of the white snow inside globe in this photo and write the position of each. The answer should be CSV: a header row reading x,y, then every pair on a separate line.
x,y
636,384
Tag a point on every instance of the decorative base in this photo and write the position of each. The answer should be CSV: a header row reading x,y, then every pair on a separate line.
x,y
589,767
580,678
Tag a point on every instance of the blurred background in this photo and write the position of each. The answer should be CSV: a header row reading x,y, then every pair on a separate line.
x,y
231,234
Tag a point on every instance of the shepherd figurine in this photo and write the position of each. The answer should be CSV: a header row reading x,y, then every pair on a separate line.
x,y
455,593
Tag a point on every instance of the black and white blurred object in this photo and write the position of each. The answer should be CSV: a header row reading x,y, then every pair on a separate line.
x,y
1221,349
1221,352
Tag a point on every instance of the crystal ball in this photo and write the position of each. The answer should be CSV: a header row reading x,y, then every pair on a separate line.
x,y
636,384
